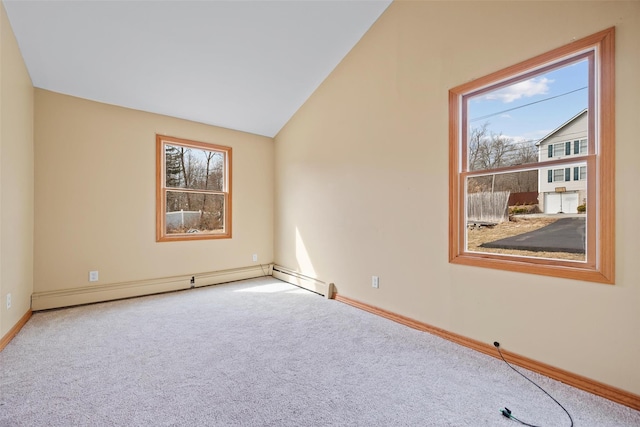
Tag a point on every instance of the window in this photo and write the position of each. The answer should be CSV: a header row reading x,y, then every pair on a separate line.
x,y
559,175
559,149
580,146
193,190
497,148
579,173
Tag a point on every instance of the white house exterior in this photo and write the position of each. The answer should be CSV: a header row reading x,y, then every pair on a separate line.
x,y
563,187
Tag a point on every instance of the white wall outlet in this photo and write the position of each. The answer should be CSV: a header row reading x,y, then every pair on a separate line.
x,y
255,257
8,301
93,276
375,282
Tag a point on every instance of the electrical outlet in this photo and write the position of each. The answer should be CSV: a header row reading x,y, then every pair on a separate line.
x,y
193,281
93,276
255,257
8,301
375,282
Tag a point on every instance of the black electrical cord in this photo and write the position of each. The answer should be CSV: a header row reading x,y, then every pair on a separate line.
x,y
506,412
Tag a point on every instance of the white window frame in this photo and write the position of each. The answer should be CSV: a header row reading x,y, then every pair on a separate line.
x,y
559,149
560,173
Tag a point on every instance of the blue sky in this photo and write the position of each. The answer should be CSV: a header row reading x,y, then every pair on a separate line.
x,y
532,122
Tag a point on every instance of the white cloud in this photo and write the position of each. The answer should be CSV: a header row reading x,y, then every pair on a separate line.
x,y
518,138
525,89
532,136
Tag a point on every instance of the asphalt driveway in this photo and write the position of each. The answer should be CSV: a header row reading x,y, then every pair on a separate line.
x,y
564,235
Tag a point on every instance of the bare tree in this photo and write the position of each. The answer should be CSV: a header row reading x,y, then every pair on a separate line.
x,y
488,150
527,152
478,135
208,156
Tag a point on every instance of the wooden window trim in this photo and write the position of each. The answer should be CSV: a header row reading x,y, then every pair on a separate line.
x,y
600,264
161,190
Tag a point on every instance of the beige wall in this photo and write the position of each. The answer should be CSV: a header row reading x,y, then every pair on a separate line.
x,y
95,200
361,183
16,180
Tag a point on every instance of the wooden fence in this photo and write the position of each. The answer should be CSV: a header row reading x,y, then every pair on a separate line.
x,y
488,207
526,198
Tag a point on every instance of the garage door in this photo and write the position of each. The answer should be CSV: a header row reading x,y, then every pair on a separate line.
x,y
560,202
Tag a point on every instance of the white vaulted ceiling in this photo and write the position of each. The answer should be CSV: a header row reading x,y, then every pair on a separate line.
x,y
245,65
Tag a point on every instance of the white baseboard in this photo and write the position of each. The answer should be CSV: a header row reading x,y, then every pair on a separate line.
x,y
113,291
298,279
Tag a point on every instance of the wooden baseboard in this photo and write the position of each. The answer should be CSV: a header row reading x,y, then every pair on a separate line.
x,y
583,383
14,331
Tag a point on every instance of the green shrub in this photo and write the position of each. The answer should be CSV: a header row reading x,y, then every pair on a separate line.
x,y
582,208
517,210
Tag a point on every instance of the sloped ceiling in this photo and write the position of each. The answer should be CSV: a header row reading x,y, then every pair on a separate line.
x,y
244,65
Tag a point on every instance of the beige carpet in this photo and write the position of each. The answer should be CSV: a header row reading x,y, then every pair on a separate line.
x,y
263,353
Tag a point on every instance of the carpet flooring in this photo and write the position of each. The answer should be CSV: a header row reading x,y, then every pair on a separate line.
x,y
263,353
